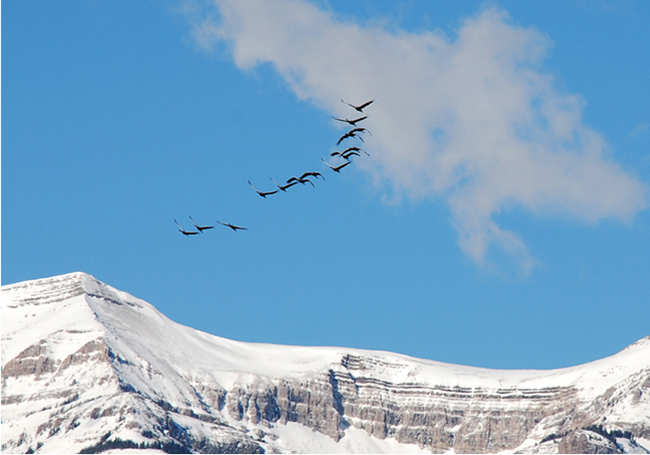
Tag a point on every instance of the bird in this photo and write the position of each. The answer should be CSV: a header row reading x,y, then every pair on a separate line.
x,y
232,226
262,193
183,231
312,174
345,155
351,122
337,168
360,130
347,135
200,228
284,187
360,107
301,180
356,149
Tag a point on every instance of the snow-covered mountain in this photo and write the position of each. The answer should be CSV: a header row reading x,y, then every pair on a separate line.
x,y
88,367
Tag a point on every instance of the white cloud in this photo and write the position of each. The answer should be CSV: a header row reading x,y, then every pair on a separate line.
x,y
473,120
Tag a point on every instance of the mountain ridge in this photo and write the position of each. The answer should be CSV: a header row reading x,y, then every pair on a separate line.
x,y
164,383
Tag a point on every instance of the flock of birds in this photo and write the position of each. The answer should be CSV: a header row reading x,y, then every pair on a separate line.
x,y
346,155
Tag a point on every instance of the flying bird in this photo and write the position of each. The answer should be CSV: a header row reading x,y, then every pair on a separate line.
x,y
183,231
284,187
356,149
262,193
347,135
360,130
232,226
345,155
360,107
301,180
337,168
351,122
312,174
200,228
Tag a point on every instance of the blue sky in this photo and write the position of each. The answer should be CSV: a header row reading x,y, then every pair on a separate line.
x,y
501,219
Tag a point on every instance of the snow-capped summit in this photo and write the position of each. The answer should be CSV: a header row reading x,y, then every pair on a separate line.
x,y
88,367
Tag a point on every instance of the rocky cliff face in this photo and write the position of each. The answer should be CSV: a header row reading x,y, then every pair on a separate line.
x,y
87,367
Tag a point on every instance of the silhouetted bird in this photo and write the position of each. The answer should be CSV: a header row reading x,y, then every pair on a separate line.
x,y
347,135
200,228
351,122
337,168
312,174
183,231
360,130
360,107
356,149
262,193
232,226
284,187
345,155
301,180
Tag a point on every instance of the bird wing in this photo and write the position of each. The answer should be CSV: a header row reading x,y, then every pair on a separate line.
x,y
312,174
345,136
341,166
365,105
293,179
356,149
361,130
358,119
181,227
289,185
249,182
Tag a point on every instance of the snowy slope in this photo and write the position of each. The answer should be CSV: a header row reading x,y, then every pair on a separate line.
x,y
85,365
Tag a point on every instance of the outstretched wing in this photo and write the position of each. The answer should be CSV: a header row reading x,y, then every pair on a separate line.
x,y
355,149
249,182
348,154
341,166
360,107
289,185
364,105
345,136
361,130
312,174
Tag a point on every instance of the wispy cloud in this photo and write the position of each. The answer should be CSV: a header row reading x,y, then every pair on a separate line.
x,y
473,120
640,130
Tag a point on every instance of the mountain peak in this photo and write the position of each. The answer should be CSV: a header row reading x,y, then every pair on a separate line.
x,y
87,366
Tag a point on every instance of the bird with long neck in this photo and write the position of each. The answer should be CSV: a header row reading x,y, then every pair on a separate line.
x,y
360,107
